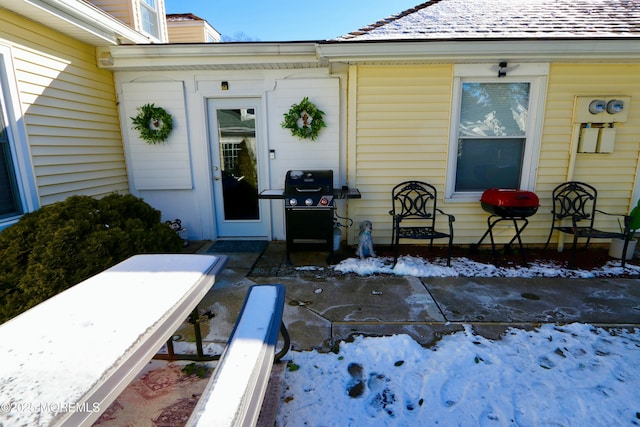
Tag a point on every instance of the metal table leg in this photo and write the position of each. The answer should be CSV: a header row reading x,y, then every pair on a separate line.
x,y
195,319
496,219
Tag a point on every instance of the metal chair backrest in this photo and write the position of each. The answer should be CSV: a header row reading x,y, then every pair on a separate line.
x,y
414,200
574,200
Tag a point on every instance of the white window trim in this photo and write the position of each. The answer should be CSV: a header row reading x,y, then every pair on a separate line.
x,y
536,74
17,136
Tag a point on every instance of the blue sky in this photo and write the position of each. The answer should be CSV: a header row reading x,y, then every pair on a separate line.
x,y
280,20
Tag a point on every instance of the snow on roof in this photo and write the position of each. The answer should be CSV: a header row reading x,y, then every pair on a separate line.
x,y
499,19
174,17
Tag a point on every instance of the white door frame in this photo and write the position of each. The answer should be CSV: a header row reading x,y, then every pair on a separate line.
x,y
260,228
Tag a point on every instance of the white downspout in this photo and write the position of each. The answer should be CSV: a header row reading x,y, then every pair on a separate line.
x,y
573,153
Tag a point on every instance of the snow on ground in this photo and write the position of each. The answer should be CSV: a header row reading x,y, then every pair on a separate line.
x,y
573,375
415,266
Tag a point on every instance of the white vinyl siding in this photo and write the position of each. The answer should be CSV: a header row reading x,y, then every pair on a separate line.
x,y
69,111
166,165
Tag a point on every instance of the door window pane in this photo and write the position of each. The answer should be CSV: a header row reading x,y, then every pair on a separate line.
x,y
491,135
237,139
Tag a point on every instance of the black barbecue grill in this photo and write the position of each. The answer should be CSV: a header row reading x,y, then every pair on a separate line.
x,y
508,205
309,209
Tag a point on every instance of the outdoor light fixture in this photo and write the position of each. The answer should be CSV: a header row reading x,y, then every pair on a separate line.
x,y
105,59
224,86
502,69
597,106
615,106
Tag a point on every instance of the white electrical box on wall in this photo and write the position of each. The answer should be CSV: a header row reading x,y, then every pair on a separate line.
x,y
606,140
588,140
601,109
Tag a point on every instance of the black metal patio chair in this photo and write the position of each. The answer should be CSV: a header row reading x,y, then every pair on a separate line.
x,y
414,213
575,202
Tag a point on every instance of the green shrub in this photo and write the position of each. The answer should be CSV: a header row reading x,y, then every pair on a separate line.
x,y
62,244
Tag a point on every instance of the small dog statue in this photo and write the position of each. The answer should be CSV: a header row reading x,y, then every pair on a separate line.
x,y
365,246
175,225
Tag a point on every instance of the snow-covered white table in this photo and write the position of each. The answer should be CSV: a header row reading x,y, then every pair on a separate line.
x,y
65,360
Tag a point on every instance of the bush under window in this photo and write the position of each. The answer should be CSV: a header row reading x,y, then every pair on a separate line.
x,y
62,244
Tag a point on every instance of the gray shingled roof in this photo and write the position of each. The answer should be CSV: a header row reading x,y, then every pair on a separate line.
x,y
500,19
176,17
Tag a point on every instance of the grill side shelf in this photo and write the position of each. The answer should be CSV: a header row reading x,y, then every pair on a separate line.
x,y
346,193
349,193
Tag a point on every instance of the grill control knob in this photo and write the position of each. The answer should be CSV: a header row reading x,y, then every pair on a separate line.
x,y
293,202
324,201
308,202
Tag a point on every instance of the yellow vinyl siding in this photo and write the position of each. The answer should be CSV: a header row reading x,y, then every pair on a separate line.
x,y
613,174
183,33
399,125
119,9
70,112
402,128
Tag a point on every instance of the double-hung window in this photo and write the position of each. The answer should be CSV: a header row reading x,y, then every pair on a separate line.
x,y
495,129
149,17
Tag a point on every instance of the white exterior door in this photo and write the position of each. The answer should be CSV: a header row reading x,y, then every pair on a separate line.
x,y
237,148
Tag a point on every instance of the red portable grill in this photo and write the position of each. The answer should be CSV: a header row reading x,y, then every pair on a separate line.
x,y
508,204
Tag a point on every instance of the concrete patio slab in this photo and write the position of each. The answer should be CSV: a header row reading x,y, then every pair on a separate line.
x,y
537,300
316,304
324,306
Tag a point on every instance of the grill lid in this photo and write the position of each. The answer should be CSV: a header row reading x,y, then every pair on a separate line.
x,y
510,198
509,203
318,181
309,188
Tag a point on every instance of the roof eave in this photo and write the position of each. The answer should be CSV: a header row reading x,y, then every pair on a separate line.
x,y
210,56
464,50
77,19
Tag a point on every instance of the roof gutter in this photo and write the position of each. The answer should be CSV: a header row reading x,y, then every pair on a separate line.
x,y
475,50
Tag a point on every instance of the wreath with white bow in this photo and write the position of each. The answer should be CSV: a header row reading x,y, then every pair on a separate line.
x,y
153,123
